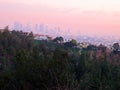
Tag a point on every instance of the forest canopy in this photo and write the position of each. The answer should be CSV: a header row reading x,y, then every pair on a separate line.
x,y
30,64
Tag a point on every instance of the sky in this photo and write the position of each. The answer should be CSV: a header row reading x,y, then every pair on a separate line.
x,y
90,17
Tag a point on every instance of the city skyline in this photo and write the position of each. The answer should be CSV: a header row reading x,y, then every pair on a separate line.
x,y
90,17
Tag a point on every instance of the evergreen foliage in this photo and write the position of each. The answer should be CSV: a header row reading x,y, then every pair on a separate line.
x,y
28,64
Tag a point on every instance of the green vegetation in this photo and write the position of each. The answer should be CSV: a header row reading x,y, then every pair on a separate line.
x,y
28,64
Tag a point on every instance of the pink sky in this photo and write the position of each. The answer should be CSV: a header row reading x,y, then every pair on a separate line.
x,y
87,16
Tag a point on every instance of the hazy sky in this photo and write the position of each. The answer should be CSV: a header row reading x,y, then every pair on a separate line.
x,y
84,16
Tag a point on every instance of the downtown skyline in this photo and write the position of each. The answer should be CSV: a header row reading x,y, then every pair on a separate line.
x,y
89,17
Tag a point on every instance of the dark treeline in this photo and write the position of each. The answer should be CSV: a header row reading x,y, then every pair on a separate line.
x,y
29,64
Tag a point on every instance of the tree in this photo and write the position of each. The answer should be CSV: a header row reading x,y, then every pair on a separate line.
x,y
71,43
116,46
91,47
58,39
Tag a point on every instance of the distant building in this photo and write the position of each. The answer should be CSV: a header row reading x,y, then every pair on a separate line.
x,y
24,33
42,37
82,45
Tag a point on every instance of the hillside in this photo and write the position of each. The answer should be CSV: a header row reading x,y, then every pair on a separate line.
x,y
52,64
